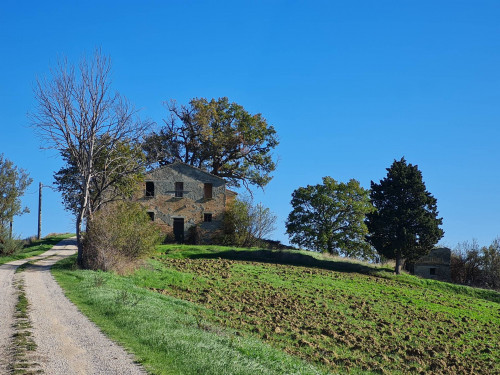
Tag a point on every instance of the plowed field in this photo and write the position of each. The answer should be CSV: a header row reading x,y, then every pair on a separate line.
x,y
344,320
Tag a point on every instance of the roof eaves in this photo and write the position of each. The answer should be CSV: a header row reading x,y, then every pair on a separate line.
x,y
187,165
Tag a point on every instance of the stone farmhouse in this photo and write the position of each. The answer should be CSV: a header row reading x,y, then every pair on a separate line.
x,y
178,197
435,265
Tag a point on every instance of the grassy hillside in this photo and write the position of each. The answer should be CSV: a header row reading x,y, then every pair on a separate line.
x,y
36,247
335,315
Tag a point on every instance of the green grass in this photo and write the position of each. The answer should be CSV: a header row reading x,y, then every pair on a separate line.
x,y
249,307
169,335
36,248
321,261
22,343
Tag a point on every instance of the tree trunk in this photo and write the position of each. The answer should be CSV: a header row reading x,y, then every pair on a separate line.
x,y
330,247
84,211
398,264
79,259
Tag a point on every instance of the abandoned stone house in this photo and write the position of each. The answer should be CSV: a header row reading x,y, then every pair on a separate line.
x,y
178,197
435,265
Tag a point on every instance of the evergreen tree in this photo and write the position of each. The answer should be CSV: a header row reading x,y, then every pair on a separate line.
x,y
405,225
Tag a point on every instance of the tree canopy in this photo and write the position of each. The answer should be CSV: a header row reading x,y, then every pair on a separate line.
x,y
114,179
405,225
219,137
13,184
329,217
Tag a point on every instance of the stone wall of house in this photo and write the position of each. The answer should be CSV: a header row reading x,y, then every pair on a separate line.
x,y
193,205
435,265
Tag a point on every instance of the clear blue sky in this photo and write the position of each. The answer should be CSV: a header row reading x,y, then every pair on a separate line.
x,y
349,86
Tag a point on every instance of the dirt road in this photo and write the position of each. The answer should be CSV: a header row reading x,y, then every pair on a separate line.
x,y
66,341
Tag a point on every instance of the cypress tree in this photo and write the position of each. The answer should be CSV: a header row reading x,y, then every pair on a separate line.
x,y
405,225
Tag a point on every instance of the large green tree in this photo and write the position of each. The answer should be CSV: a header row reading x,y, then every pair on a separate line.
x,y
13,184
329,217
405,225
218,136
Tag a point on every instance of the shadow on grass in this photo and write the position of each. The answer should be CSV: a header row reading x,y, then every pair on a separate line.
x,y
290,258
300,259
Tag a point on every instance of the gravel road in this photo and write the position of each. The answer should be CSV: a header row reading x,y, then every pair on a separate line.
x,y
67,342
7,303
8,299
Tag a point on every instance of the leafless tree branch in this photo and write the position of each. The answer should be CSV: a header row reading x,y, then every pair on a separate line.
x,y
78,114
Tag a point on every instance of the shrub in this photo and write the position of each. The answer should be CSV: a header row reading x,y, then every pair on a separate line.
x,y
118,238
197,235
168,238
476,266
9,245
275,245
491,265
236,224
246,224
29,241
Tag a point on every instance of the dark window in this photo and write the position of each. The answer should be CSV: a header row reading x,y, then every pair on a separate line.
x,y
207,188
207,218
432,271
151,215
150,189
179,189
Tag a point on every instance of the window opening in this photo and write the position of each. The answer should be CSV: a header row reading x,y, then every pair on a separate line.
x,y
151,215
179,189
208,190
432,271
150,189
207,218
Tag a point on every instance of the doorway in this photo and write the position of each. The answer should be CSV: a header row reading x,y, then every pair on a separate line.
x,y
179,230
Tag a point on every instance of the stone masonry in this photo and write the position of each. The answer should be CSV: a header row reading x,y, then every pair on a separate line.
x,y
435,265
179,196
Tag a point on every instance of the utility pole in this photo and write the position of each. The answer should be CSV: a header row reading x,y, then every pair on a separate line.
x,y
40,186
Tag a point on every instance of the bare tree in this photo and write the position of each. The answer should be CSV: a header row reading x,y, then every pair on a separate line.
x,y
262,221
246,223
78,115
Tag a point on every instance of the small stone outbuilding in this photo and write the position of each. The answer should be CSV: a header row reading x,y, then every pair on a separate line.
x,y
178,197
435,265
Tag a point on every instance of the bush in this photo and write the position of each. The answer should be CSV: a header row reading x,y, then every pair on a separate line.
x,y
246,224
197,235
476,266
168,238
118,238
275,245
29,241
9,245
491,265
